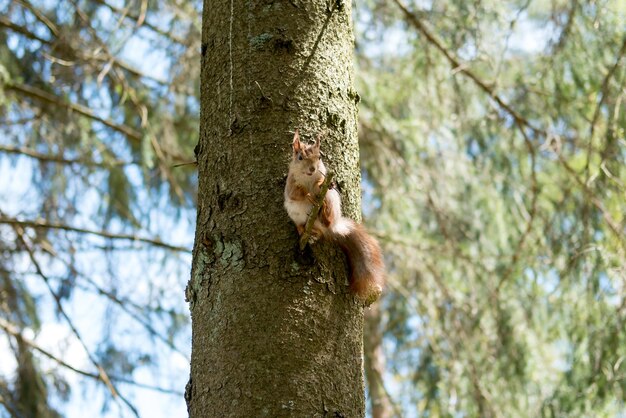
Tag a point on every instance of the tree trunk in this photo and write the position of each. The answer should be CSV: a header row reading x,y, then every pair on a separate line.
x,y
275,332
375,364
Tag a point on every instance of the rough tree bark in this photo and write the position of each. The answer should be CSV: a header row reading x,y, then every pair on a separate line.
x,y
375,364
275,332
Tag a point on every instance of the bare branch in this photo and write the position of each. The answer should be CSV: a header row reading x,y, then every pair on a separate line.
x,y
40,16
603,95
12,330
142,22
123,304
103,376
50,225
459,67
59,159
6,23
44,96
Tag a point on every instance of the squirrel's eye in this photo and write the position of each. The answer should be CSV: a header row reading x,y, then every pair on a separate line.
x,y
299,156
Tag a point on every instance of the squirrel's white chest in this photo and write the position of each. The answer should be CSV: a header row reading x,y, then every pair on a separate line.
x,y
298,210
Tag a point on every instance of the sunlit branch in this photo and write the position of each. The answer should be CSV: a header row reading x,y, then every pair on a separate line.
x,y
520,122
44,96
459,67
40,16
103,376
6,23
141,22
12,330
59,159
615,227
141,109
603,96
123,305
51,225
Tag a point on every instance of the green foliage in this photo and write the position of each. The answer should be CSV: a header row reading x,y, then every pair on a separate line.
x,y
504,233
98,102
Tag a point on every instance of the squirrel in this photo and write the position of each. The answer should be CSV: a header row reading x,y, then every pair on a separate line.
x,y
306,175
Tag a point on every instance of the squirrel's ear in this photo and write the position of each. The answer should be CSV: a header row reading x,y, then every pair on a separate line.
x,y
297,146
318,141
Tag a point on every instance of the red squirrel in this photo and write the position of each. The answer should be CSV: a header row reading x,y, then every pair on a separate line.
x,y
306,175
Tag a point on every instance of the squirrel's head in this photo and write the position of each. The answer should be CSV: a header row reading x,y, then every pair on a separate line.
x,y
307,158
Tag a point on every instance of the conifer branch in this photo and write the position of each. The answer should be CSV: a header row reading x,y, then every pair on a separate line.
x,y
6,23
102,374
49,158
462,68
141,21
12,330
40,223
44,96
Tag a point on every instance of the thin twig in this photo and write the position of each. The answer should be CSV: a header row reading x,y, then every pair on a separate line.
x,y
44,96
123,305
9,149
520,122
40,223
140,21
461,68
315,210
12,330
603,93
6,23
40,16
103,376
185,164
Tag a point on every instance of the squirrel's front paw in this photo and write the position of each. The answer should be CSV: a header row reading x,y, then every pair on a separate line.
x,y
316,234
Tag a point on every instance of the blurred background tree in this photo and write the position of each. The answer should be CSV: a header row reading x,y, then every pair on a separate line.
x,y
493,140
492,144
99,104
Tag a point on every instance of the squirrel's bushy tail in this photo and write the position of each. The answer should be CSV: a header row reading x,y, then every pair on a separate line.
x,y
367,270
